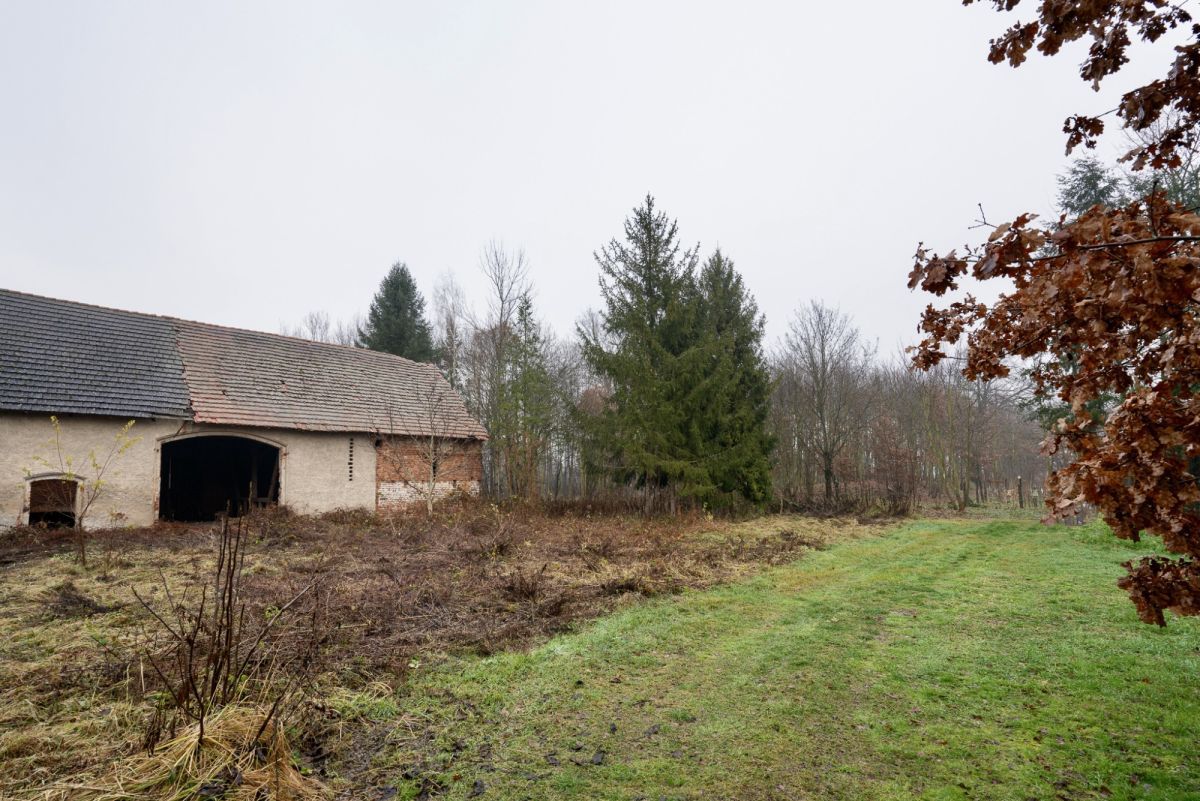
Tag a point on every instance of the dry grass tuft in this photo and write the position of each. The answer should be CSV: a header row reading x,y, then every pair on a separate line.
x,y
243,755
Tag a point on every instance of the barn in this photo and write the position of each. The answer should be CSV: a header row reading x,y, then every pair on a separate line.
x,y
112,417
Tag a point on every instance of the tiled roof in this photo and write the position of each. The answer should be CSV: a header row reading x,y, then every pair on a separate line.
x,y
252,378
71,358
59,356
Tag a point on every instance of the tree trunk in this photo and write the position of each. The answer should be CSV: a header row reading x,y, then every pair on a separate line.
x,y
827,470
432,477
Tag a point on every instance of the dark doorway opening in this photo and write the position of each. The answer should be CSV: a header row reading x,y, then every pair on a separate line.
x,y
203,477
52,502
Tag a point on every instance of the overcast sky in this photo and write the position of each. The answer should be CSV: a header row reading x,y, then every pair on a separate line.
x,y
243,163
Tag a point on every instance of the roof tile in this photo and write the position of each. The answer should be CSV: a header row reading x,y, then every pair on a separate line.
x,y
60,356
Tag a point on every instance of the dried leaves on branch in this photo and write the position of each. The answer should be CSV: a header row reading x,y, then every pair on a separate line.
x,y
1112,26
1104,306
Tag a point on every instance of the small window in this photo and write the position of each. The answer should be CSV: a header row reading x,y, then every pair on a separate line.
x,y
52,502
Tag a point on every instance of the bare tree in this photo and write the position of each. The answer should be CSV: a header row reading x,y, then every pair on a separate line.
x,y
428,465
320,327
828,372
345,332
87,478
490,347
507,274
450,320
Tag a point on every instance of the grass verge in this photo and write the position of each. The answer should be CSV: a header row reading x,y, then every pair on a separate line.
x,y
947,660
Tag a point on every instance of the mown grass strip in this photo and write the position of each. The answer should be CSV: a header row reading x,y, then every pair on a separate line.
x,y
947,660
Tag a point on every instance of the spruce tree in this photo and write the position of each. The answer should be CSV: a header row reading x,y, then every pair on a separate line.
x,y
682,353
396,321
733,385
647,282
1086,183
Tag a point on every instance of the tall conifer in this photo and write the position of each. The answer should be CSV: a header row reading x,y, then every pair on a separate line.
x,y
396,320
682,353
646,281
734,400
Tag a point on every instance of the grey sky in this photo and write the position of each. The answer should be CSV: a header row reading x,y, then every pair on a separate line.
x,y
243,163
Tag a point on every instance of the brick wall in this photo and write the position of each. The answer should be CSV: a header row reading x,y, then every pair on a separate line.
x,y
402,469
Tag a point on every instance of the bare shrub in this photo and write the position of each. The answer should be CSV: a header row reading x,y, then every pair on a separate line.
x,y
488,547
520,585
229,680
594,552
625,583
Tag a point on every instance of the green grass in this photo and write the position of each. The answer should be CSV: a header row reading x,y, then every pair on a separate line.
x,y
946,660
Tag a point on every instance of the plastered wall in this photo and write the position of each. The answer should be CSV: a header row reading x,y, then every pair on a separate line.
x,y
27,446
320,471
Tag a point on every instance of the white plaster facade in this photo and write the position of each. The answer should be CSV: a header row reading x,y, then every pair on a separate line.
x,y
315,474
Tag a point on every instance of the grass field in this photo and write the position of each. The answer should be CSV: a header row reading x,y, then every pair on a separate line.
x,y
945,660
777,658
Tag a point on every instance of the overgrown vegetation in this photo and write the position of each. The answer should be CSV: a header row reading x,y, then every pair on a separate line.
x,y
101,691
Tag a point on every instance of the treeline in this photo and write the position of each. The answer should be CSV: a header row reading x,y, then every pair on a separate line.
x,y
855,431
667,397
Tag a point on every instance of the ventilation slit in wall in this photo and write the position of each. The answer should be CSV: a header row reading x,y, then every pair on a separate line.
x,y
350,461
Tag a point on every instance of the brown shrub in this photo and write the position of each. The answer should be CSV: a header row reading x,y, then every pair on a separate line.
x,y
522,586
